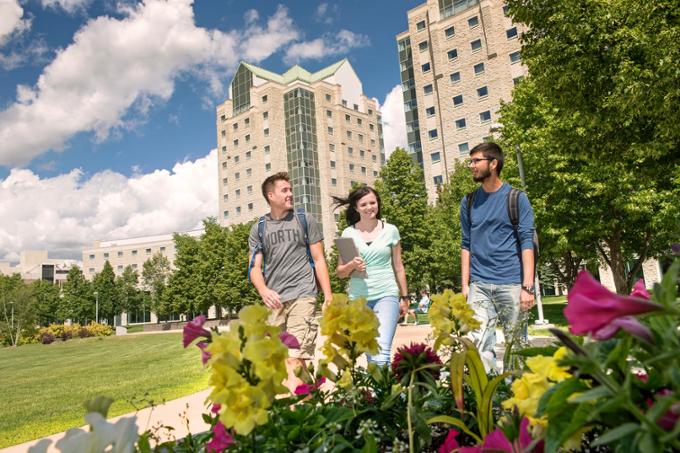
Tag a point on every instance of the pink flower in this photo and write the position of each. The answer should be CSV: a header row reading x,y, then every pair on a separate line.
x,y
413,357
289,340
205,355
669,418
306,389
215,409
497,442
450,444
194,329
639,290
628,323
221,439
592,307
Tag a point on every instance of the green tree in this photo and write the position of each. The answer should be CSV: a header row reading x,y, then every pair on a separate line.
x,y
47,301
238,291
131,299
404,204
597,124
104,283
181,296
78,301
446,229
155,274
17,303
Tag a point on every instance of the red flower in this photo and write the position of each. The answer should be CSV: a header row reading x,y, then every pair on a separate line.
x,y
414,356
306,389
591,307
221,439
289,340
194,329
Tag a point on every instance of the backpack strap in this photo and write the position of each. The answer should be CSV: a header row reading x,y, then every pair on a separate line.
x,y
470,200
300,214
259,248
513,207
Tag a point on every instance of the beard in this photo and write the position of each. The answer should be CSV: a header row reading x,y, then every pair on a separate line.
x,y
482,175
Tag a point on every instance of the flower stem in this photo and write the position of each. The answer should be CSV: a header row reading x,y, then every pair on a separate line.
x,y
409,403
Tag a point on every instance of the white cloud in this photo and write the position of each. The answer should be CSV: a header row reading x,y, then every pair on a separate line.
x,y
11,21
65,213
328,45
116,67
394,122
326,13
70,6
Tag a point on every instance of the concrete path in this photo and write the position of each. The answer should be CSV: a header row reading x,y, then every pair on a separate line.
x,y
185,414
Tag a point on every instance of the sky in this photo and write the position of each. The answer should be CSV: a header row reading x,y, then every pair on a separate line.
x,y
107,108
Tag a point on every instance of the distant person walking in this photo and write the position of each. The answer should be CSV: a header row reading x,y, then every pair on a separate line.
x,y
287,260
497,261
379,246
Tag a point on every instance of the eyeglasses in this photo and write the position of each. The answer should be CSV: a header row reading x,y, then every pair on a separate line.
x,y
477,160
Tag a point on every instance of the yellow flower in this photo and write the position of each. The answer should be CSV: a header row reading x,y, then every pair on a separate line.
x,y
346,379
450,316
244,408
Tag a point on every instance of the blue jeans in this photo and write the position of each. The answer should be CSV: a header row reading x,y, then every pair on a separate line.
x,y
494,304
387,310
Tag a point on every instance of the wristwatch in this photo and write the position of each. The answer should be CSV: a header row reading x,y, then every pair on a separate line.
x,y
529,289
408,298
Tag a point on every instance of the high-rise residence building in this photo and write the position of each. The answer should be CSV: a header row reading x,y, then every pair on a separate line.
x,y
319,127
458,60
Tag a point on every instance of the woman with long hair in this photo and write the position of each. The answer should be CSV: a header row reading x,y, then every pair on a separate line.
x,y
379,247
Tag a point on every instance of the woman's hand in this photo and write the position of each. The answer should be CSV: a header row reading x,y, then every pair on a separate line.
x,y
358,264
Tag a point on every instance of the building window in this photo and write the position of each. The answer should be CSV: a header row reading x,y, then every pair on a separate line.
x,y
458,100
224,181
473,22
432,134
328,98
266,132
460,123
422,46
249,172
235,126
374,158
427,89
344,102
225,197
238,210
351,168
350,150
363,170
455,77
420,25
361,138
224,133
450,32
224,150
134,253
237,176
511,33
485,117
426,67
265,115
371,126
264,99
515,57
332,164
225,214
476,45
334,182
479,68
463,149
246,122
359,122
517,80
267,167
119,268
91,257
237,159
223,118
147,251
375,174
250,206
236,143
506,11
330,130
436,156
329,114
452,54
224,165
120,254
248,138
267,149
134,266
331,147
370,112
438,180
249,155
482,92
362,153
91,270
429,111
349,135
356,107
106,255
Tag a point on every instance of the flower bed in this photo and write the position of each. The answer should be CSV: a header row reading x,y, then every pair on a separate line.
x,y
612,383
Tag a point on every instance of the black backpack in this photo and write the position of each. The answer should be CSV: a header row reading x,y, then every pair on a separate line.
x,y
513,213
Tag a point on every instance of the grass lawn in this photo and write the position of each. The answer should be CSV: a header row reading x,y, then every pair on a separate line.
x,y
553,307
43,387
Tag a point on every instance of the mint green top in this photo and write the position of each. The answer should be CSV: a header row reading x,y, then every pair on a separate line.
x,y
381,281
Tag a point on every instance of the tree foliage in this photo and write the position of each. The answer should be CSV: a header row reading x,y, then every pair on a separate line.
x,y
155,274
596,121
104,283
78,301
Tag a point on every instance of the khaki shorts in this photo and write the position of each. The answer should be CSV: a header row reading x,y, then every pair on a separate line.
x,y
297,318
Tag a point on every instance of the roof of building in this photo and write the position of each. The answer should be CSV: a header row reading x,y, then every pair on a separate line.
x,y
295,73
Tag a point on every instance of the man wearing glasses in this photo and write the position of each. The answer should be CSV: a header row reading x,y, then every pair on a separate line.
x,y
497,257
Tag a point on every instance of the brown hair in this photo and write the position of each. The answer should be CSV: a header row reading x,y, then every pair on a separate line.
x,y
490,150
268,184
351,214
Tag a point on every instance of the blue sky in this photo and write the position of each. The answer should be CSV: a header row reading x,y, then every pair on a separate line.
x,y
100,100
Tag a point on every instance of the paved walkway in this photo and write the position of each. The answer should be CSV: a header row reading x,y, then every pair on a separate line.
x,y
185,413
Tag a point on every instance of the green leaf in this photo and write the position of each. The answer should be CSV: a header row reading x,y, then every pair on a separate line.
x,y
455,422
485,414
534,351
457,367
590,395
616,434
478,378
370,445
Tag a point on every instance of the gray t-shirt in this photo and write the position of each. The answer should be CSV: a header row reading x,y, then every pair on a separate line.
x,y
287,269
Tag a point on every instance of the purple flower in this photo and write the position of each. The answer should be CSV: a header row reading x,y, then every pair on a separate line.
x,y
194,329
591,307
221,439
205,355
628,323
306,389
289,340
639,290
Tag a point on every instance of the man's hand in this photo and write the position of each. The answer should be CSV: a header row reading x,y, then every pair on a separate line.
x,y
526,300
465,291
326,302
403,306
271,298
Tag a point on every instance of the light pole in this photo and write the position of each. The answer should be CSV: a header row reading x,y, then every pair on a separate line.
x,y
12,304
96,298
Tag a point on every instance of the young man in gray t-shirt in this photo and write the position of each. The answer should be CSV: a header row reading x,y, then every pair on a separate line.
x,y
289,287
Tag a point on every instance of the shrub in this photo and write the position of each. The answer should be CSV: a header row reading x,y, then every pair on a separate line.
x,y
84,332
99,330
46,338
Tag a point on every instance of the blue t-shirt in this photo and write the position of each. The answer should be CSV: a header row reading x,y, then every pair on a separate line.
x,y
490,238
381,281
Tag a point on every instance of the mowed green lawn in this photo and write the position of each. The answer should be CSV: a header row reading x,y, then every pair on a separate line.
x,y
43,387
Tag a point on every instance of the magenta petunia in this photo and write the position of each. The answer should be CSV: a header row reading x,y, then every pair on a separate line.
x,y
221,439
450,443
195,329
289,340
205,355
639,290
628,323
592,307
497,442
306,389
